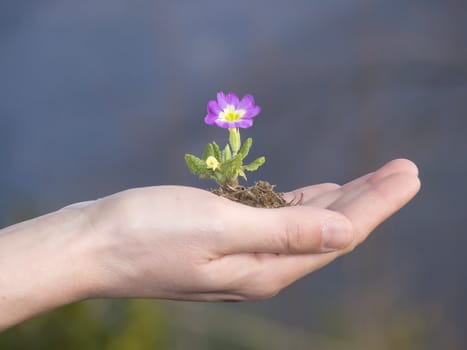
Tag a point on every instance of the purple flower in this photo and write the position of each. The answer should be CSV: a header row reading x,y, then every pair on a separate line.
x,y
230,112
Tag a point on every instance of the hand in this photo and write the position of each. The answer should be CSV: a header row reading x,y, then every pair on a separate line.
x,y
185,243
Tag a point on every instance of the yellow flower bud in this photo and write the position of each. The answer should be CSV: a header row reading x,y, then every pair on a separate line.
x,y
212,163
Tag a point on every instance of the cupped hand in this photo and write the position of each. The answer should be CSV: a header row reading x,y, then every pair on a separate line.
x,y
184,243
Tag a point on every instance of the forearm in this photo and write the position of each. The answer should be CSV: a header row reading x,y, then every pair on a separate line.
x,y
42,265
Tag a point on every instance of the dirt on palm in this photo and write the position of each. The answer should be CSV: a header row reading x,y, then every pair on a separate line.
x,y
260,195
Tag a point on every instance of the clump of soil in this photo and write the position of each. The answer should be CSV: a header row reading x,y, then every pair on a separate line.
x,y
261,195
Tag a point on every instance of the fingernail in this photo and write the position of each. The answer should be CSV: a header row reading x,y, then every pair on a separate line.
x,y
337,234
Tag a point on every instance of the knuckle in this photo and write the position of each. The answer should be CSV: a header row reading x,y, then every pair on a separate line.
x,y
295,237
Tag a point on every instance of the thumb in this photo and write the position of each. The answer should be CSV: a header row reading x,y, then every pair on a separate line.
x,y
290,230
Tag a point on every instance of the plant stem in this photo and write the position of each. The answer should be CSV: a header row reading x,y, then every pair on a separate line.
x,y
235,141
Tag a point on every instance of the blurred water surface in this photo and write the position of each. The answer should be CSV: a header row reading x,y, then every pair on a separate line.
x,y
100,96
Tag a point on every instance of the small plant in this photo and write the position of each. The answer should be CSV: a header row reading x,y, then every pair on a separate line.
x,y
226,165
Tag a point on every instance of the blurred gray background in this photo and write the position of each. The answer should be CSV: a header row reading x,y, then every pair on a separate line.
x,y
99,96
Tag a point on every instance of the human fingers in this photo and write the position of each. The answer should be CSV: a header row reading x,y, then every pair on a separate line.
x,y
304,229
372,203
304,194
392,167
318,193
366,206
327,198
395,166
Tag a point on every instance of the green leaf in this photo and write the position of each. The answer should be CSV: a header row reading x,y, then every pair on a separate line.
x,y
242,174
226,153
217,151
220,179
254,165
246,147
197,166
231,167
208,151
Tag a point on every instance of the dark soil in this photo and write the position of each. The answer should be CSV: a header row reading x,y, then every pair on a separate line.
x,y
261,195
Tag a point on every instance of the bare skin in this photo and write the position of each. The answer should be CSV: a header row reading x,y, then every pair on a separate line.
x,y
184,243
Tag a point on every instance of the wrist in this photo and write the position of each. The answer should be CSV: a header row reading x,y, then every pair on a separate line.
x,y
44,263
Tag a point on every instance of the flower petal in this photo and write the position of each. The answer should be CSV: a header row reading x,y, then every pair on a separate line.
x,y
221,100
224,124
230,112
232,99
214,108
244,123
247,102
210,119
252,112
